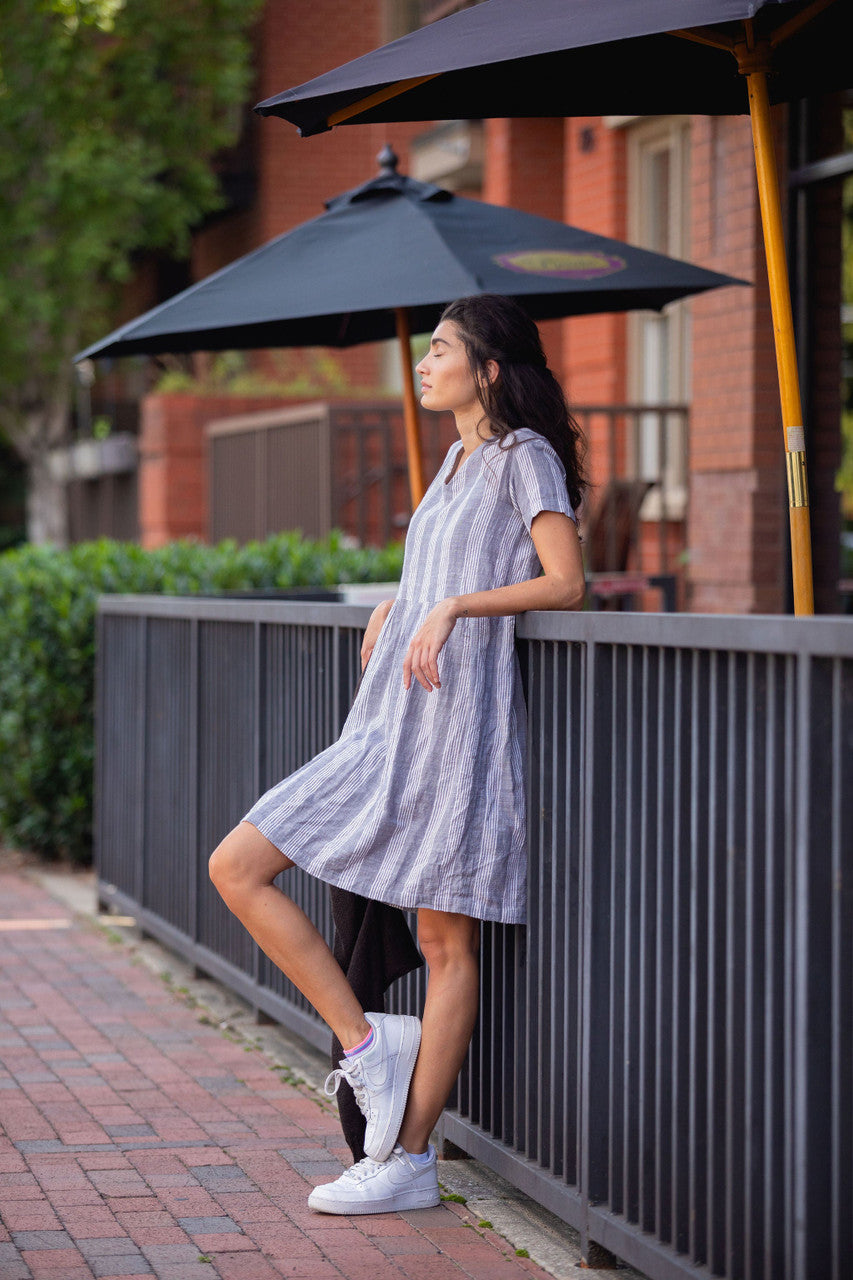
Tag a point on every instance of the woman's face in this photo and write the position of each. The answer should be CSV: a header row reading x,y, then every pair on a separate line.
x,y
446,378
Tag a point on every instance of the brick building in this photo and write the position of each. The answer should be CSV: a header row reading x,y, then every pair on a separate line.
x,y
686,401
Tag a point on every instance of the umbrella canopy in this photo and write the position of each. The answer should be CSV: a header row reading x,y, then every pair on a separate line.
x,y
396,243
385,258
573,57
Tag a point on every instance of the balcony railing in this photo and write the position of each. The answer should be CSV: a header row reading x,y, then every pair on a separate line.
x,y
664,1054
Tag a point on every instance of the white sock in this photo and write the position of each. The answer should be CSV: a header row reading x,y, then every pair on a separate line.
x,y
420,1157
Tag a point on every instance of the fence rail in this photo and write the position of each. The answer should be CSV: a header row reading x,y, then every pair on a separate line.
x,y
664,1054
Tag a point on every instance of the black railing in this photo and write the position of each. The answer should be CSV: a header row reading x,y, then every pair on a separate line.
x,y
664,1055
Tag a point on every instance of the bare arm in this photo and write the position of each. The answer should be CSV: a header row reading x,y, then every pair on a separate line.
x,y
374,626
561,586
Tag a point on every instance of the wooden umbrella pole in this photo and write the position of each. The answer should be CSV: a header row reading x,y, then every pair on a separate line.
x,y
411,419
753,62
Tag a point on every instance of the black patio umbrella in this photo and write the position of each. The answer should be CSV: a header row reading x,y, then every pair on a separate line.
x,y
596,57
384,259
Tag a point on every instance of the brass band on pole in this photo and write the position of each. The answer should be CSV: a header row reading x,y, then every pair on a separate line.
x,y
798,490
753,62
411,420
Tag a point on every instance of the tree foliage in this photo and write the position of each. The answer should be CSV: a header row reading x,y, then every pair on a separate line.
x,y
110,113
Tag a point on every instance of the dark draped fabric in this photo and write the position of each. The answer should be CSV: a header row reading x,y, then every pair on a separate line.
x,y
374,947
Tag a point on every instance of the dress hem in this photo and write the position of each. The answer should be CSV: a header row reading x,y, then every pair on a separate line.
x,y
391,902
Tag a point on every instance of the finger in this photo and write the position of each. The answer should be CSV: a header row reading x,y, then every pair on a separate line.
x,y
431,668
427,679
417,666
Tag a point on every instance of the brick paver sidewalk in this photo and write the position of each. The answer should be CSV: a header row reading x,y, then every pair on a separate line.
x,y
137,1141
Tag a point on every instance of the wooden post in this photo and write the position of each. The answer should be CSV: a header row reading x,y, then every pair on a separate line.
x,y
411,420
753,63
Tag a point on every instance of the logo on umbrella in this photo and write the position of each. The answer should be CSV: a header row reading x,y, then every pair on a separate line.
x,y
561,264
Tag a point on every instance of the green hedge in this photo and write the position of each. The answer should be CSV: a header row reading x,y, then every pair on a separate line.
x,y
47,655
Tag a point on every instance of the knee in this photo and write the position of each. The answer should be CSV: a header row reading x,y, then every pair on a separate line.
x,y
228,867
243,863
446,949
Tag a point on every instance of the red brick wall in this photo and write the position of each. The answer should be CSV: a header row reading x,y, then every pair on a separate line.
x,y
300,39
524,169
737,507
595,347
296,40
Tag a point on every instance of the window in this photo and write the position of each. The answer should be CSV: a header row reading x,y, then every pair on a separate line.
x,y
659,342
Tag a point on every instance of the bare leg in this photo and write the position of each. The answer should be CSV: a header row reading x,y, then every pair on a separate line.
x,y
450,944
243,868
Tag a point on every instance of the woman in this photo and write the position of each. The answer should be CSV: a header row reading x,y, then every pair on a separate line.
x,y
421,801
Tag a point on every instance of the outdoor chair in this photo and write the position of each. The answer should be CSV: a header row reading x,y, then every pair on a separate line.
x,y
610,532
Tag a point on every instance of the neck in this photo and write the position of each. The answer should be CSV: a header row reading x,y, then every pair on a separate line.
x,y
473,429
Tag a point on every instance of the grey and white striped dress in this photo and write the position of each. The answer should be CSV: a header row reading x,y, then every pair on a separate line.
x,y
420,802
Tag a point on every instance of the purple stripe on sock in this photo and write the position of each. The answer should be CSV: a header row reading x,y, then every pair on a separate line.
x,y
359,1048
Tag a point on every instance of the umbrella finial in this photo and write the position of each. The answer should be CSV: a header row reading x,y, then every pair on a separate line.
x,y
387,160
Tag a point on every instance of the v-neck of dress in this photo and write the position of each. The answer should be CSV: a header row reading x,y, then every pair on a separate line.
x,y
458,466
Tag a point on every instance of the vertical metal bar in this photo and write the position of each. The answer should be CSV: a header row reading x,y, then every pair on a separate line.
x,y
681,1042
141,740
631,912
841,964
594,890
590,1119
194,870
536,918
643,1012
800,988
772,1185
814,1133
260,964
698,823
736,924
751,996
791,826
665,929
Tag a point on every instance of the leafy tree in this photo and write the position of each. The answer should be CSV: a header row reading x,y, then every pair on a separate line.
x,y
110,113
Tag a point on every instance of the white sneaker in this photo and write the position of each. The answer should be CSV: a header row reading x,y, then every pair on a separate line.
x,y
374,1187
380,1078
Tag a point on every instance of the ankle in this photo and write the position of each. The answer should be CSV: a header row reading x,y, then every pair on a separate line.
x,y
356,1035
413,1143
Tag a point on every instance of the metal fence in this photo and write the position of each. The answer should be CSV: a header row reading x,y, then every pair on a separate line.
x,y
664,1055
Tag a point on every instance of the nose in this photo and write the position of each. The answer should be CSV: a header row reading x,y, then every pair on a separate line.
x,y
420,367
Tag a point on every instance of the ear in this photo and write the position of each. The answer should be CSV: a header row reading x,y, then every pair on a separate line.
x,y
492,370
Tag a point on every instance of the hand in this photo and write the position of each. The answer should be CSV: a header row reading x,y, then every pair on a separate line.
x,y
374,626
422,655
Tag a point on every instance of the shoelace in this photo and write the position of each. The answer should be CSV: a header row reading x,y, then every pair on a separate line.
x,y
352,1074
367,1167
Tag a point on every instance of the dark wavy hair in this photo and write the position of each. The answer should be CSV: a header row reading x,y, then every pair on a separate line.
x,y
525,393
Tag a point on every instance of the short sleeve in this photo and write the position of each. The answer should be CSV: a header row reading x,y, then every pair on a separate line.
x,y
537,481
